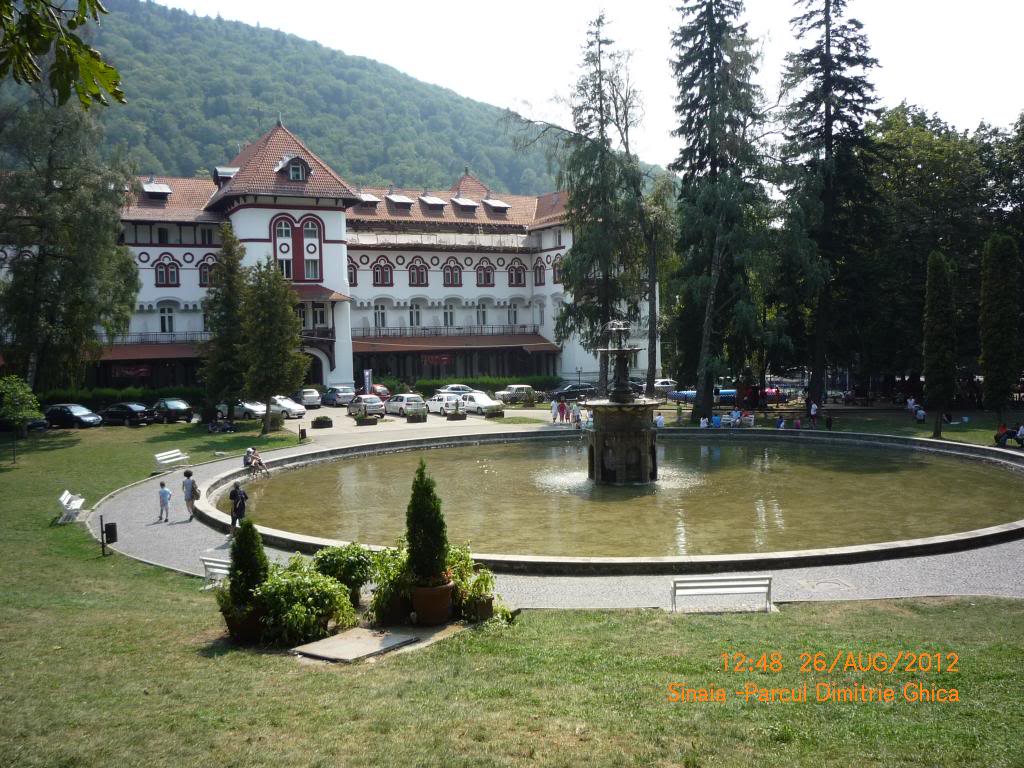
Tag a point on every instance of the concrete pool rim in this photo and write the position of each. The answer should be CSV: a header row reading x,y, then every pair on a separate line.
x,y
207,512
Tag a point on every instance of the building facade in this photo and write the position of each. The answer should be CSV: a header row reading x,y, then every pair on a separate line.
x,y
409,283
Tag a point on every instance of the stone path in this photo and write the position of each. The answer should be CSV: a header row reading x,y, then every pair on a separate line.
x,y
996,570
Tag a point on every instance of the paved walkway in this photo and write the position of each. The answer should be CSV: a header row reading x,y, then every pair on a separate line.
x,y
996,570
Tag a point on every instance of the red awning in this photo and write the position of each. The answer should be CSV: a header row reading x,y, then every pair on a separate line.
x,y
318,293
531,342
149,352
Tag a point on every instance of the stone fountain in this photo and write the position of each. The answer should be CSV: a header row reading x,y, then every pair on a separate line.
x,y
623,439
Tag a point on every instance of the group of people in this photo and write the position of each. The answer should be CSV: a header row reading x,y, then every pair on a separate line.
x,y
189,491
563,412
254,462
1004,435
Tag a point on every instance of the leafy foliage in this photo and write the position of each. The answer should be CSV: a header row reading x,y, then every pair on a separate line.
x,y
67,279
298,604
1000,310
350,564
939,338
426,531
101,397
249,564
392,581
18,406
198,87
30,29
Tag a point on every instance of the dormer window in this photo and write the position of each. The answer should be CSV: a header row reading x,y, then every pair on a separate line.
x,y
296,168
296,172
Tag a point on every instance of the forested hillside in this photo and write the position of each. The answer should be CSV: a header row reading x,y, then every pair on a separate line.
x,y
198,87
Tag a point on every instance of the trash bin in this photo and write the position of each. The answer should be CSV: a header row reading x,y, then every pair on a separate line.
x,y
110,533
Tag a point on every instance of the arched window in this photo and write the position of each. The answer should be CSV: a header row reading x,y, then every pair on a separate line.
x,y
167,272
485,274
556,272
311,248
383,272
297,172
418,274
539,272
452,274
283,247
516,274
353,273
205,273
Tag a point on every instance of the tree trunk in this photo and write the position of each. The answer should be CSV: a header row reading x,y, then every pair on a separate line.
x,y
652,316
816,387
937,432
266,420
704,400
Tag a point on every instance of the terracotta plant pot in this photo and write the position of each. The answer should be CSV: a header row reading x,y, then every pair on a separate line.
x,y
433,605
244,628
395,612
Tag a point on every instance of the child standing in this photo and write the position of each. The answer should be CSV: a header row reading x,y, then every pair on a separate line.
x,y
165,503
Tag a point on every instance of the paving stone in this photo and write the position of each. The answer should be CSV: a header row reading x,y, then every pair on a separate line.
x,y
357,643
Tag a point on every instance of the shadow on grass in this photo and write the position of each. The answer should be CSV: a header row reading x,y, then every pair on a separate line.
x,y
200,439
223,645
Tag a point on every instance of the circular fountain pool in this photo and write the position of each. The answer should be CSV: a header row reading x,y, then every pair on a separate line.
x,y
712,497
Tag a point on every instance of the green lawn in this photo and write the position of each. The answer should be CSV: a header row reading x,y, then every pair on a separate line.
x,y
109,662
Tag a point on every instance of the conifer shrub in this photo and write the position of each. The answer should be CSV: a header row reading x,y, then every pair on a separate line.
x,y
249,564
426,531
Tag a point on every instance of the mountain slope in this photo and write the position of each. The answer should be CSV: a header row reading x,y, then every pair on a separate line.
x,y
199,87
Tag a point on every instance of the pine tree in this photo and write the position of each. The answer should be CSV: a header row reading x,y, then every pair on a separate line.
x,y
825,133
249,564
425,528
1000,309
717,105
224,366
271,329
939,339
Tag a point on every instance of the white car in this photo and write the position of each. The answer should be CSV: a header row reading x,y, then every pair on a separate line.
x,y
403,404
444,402
287,407
308,397
455,389
477,402
339,395
372,404
516,393
244,409
664,385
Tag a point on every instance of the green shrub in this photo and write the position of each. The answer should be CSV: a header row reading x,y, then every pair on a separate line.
x,y
249,565
489,384
276,422
426,531
322,422
100,397
392,582
299,603
473,582
350,564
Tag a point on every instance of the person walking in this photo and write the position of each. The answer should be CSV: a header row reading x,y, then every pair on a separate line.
x,y
814,415
561,410
190,490
238,498
164,495
554,411
577,416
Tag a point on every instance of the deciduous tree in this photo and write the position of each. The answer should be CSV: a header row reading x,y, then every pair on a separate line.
x,y
939,339
1000,309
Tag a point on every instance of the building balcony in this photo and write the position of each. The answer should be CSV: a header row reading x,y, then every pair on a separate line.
x,y
444,330
317,333
183,337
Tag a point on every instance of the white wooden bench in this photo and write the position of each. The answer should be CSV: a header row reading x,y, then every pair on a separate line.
x,y
215,570
167,458
723,585
70,506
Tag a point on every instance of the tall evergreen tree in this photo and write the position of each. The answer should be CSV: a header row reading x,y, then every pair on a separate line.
x,y
1000,309
825,133
717,104
223,362
271,328
599,270
67,278
939,339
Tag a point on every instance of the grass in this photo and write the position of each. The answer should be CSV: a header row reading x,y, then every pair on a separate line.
x,y
517,420
105,661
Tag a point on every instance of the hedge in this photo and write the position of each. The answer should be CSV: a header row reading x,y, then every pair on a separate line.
x,y
490,384
101,397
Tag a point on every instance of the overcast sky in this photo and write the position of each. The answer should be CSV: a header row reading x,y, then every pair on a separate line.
x,y
961,59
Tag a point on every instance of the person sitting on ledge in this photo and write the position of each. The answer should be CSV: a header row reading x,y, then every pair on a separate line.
x,y
716,421
780,423
659,421
797,423
704,422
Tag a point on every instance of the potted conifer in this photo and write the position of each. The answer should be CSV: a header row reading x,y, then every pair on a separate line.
x,y
428,552
249,568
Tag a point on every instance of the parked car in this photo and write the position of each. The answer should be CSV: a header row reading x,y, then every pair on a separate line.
x,y
308,397
664,385
128,414
287,407
517,393
244,409
456,389
477,402
71,415
374,405
376,389
403,404
340,395
444,402
571,392
170,409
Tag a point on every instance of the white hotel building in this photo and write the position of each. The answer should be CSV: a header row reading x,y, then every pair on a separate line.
x,y
426,283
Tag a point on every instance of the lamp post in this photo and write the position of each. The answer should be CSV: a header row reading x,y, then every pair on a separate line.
x,y
579,375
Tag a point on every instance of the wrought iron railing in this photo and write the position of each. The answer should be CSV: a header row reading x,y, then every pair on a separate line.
x,y
446,330
183,337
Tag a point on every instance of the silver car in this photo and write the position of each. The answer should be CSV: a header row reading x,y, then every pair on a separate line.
x,y
370,404
403,404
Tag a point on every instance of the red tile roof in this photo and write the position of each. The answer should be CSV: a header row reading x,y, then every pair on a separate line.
x,y
186,202
550,210
257,174
318,293
519,215
531,342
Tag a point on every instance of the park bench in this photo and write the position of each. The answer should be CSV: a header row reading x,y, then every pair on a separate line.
x,y
722,585
215,570
167,458
70,506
